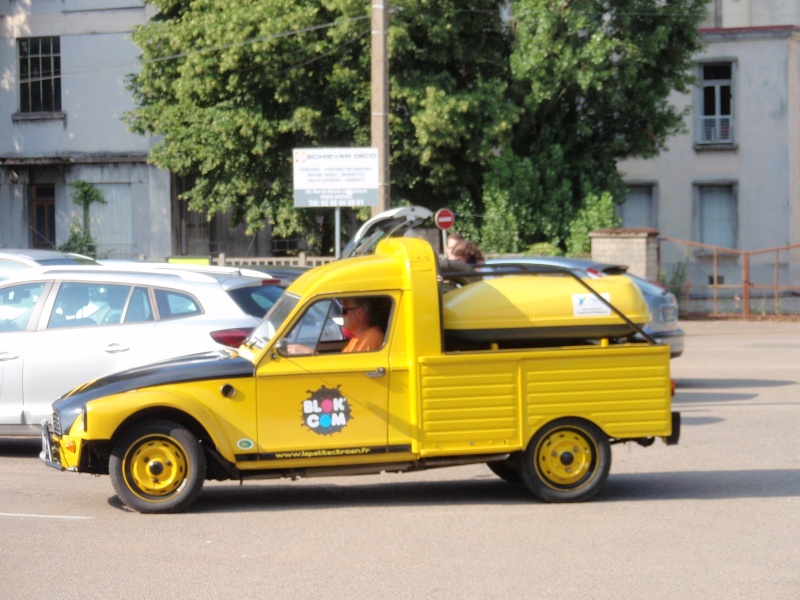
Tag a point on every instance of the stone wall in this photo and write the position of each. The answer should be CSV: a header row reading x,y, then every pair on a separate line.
x,y
636,248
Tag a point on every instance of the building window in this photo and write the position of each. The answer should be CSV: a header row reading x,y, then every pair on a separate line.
x,y
639,208
715,114
43,216
39,75
717,220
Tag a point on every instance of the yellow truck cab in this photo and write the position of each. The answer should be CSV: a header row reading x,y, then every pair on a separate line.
x,y
534,373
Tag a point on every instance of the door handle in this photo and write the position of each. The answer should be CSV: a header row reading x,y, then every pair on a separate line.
x,y
379,372
8,356
114,348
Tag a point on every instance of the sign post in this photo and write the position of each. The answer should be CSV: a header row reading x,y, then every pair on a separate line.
x,y
444,219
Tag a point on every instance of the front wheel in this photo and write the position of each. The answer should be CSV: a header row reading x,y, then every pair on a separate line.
x,y
158,467
566,461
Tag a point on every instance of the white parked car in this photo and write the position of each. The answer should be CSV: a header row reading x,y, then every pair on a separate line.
x,y
63,326
14,260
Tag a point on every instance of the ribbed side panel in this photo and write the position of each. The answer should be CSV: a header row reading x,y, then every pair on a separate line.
x,y
627,396
492,403
469,405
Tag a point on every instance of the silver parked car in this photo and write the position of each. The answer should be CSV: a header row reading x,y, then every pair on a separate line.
x,y
662,304
63,326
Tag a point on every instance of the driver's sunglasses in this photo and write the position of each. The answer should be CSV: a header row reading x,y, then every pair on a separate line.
x,y
347,310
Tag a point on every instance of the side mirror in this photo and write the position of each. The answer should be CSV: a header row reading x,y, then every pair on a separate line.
x,y
281,347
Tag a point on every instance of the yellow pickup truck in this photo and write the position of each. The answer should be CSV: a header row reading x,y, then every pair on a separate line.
x,y
535,374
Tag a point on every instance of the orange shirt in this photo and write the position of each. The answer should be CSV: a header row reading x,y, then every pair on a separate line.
x,y
372,339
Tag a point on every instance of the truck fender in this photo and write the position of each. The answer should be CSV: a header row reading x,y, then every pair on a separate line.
x,y
106,420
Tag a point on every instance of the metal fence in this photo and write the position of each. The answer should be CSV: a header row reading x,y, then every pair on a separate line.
x,y
301,260
716,130
722,282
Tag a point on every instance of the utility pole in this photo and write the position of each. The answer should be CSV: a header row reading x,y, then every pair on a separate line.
x,y
379,100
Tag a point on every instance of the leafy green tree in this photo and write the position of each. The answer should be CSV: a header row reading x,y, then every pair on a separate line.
x,y
515,123
597,212
592,79
233,87
80,235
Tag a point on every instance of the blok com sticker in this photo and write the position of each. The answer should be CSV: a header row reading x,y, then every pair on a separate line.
x,y
326,411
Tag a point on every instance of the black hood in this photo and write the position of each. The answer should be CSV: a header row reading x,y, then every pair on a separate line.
x,y
195,367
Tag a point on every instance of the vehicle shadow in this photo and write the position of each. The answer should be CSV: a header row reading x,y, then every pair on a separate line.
x,y
689,421
693,485
703,485
693,384
20,447
722,390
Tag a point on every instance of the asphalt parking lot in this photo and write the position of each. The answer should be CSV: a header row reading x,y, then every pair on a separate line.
x,y
715,517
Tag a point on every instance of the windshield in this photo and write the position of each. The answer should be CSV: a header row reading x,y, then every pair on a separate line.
x,y
265,331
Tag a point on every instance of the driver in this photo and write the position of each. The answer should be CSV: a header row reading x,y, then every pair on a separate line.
x,y
359,320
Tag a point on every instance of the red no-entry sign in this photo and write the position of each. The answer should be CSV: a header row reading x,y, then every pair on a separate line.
x,y
444,219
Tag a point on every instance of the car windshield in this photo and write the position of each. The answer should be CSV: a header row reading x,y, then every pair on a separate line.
x,y
265,331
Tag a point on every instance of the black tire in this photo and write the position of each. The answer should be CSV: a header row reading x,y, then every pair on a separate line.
x,y
566,461
507,470
157,467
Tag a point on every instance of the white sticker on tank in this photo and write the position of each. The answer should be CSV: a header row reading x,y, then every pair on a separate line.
x,y
589,305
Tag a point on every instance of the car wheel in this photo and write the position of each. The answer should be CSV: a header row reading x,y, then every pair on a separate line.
x,y
158,467
566,461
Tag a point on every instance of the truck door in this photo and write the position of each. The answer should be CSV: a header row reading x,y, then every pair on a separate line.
x,y
321,396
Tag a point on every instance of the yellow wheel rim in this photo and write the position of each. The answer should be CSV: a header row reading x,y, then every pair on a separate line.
x,y
156,468
565,458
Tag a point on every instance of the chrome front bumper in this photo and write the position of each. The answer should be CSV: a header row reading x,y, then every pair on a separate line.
x,y
48,453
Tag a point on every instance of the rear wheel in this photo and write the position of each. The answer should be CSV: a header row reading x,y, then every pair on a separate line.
x,y
158,467
566,461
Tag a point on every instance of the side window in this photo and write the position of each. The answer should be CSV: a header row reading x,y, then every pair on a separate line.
x,y
174,305
140,310
16,305
256,300
318,330
113,299
75,306
347,324
79,304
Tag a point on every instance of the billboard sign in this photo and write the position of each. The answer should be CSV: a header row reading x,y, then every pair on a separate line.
x,y
335,177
